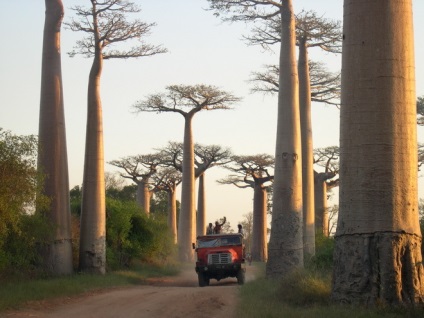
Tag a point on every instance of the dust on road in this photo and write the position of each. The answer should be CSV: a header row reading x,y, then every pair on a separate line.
x,y
171,297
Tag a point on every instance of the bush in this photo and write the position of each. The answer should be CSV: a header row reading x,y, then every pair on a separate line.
x,y
323,258
131,235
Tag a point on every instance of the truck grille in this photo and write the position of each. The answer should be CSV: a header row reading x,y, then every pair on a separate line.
x,y
219,258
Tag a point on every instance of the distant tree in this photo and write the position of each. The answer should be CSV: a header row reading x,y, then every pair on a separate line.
x,y
377,255
106,25
52,154
420,110
205,158
166,180
285,247
247,224
420,155
140,169
254,172
187,101
327,159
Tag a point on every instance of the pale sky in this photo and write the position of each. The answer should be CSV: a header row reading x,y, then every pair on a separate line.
x,y
202,50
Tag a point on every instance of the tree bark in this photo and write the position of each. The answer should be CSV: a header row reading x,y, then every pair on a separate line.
x,y
52,155
377,254
93,210
186,221
201,207
307,151
259,228
172,212
321,208
285,252
143,196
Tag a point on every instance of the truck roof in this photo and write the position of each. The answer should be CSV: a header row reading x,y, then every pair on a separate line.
x,y
219,235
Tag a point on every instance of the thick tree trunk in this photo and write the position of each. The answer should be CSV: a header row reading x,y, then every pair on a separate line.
x,y
143,196
52,155
307,152
172,212
186,221
259,228
285,251
201,207
378,239
93,211
321,209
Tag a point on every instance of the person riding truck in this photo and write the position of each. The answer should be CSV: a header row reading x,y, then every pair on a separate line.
x,y
218,226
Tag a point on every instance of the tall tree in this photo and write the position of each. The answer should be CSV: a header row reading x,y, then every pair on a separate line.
x,y
311,31
195,99
140,169
52,154
106,25
285,249
377,256
420,110
253,172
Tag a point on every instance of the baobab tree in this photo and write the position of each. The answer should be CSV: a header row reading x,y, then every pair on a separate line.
x,y
325,179
325,85
106,26
167,179
377,256
187,100
254,172
311,31
285,249
206,157
140,169
52,153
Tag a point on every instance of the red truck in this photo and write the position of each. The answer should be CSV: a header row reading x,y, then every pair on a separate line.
x,y
220,256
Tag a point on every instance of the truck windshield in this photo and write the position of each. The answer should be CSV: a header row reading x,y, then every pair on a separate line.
x,y
219,241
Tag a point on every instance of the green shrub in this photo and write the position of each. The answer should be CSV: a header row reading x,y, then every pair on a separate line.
x,y
131,235
323,258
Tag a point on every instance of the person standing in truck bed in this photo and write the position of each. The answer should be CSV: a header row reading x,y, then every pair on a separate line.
x,y
218,226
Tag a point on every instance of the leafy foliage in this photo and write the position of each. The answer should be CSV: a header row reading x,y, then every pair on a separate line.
x,y
22,230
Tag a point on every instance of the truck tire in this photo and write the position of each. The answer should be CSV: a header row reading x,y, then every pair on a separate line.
x,y
240,277
203,280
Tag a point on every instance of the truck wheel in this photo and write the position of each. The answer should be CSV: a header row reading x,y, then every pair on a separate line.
x,y
203,281
240,277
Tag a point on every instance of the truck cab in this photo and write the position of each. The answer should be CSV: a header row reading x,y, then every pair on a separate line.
x,y
220,256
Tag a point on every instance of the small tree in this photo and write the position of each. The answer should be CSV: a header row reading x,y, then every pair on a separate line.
x,y
187,101
106,25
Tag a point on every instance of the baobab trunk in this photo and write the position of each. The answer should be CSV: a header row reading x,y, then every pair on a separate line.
x,y
201,207
259,227
143,197
52,155
307,151
285,249
186,221
321,209
377,257
172,212
93,210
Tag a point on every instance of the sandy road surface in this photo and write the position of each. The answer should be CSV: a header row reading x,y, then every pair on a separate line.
x,y
174,297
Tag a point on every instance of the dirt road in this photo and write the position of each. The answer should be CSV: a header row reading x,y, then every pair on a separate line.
x,y
174,297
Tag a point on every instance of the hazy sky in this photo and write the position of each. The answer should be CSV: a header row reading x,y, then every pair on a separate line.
x,y
202,50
